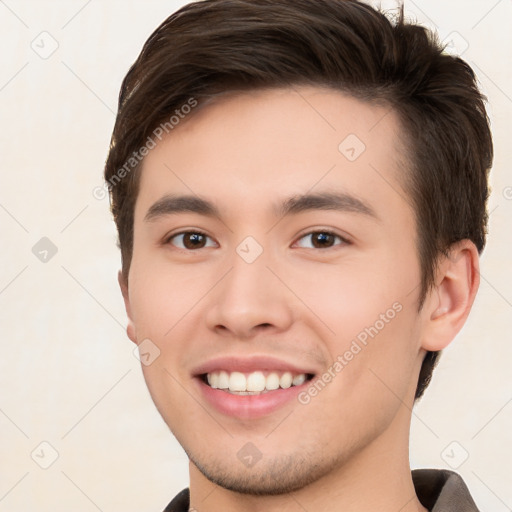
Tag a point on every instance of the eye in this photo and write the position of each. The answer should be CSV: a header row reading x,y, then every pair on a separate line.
x,y
190,240
322,239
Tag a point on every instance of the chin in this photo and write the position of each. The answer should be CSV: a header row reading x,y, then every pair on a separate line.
x,y
281,475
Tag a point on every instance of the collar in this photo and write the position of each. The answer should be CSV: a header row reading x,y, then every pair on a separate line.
x,y
440,490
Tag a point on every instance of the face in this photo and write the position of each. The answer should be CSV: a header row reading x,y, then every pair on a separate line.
x,y
274,283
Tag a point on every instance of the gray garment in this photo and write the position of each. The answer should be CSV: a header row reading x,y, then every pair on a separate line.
x,y
438,490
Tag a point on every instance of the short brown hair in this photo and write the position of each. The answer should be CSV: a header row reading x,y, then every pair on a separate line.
x,y
215,46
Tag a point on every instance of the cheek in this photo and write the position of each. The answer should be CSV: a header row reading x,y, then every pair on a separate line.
x,y
380,361
161,295
162,306
368,312
371,376
356,293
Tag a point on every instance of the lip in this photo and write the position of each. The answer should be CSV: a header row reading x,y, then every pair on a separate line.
x,y
249,406
249,364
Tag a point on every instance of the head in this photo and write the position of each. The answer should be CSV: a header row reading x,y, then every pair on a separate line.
x,y
200,111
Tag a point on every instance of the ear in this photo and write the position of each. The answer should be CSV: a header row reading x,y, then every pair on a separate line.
x,y
450,301
130,328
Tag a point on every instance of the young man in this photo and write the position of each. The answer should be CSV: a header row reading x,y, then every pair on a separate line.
x,y
300,193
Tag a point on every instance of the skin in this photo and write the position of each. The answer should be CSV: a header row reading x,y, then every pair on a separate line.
x,y
347,449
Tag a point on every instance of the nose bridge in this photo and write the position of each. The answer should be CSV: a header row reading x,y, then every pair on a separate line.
x,y
249,295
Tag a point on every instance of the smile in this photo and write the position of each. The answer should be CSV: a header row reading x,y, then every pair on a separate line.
x,y
254,383
251,387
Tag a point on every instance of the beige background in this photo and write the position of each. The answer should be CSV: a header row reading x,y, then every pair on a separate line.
x,y
68,376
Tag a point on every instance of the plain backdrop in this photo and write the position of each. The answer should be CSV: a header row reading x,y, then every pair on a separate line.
x,y
78,429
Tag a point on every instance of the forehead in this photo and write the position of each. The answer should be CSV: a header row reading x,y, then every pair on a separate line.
x,y
248,148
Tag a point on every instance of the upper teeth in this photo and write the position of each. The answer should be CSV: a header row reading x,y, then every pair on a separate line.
x,y
253,382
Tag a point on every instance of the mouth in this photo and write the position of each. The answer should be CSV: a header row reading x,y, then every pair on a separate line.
x,y
258,382
249,388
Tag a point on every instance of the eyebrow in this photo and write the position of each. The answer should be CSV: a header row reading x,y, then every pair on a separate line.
x,y
173,204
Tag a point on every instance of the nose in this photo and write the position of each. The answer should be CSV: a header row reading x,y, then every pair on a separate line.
x,y
249,299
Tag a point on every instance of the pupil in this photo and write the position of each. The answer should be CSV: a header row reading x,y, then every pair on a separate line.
x,y
194,240
324,238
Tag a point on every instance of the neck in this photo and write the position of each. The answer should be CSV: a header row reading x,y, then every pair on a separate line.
x,y
378,477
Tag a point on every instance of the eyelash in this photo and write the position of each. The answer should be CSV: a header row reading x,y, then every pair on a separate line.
x,y
309,233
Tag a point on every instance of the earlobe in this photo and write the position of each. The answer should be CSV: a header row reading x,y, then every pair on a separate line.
x,y
458,278
130,327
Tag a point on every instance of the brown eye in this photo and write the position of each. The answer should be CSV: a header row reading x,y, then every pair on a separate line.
x,y
189,240
322,240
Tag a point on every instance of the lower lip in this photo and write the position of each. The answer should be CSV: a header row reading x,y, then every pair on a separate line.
x,y
249,406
